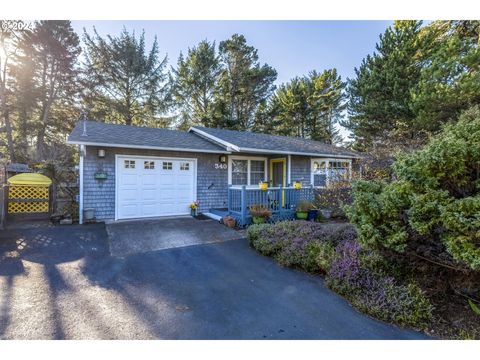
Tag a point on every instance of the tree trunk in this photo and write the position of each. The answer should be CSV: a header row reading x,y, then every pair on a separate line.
x,y
8,127
6,119
41,132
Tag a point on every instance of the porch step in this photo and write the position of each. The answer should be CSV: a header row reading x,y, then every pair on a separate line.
x,y
212,216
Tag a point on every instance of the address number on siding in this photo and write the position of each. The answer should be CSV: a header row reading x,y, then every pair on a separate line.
x,y
220,166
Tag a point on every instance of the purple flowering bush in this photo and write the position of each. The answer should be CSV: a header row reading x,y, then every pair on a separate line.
x,y
358,275
303,244
374,292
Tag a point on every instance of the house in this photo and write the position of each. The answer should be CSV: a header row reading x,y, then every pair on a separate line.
x,y
136,172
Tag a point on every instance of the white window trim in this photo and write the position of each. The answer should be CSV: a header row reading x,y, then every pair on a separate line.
x,y
327,160
248,158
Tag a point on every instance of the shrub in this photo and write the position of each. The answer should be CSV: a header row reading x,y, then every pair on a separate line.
x,y
434,201
375,293
262,238
351,271
335,197
304,206
258,210
303,244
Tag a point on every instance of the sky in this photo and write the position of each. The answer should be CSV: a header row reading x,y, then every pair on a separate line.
x,y
293,48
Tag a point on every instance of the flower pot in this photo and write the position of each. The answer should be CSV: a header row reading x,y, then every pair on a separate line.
x,y
312,214
301,215
297,185
258,220
229,221
326,213
193,212
263,185
88,214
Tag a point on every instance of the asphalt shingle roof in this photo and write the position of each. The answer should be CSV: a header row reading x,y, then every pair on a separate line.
x,y
131,136
285,144
143,137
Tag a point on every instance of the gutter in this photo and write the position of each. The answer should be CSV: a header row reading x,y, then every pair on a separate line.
x,y
129,146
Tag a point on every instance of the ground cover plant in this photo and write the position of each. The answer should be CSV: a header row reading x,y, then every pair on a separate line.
x,y
332,249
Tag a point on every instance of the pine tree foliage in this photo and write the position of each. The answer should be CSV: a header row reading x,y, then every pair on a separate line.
x,y
309,107
244,84
126,83
195,81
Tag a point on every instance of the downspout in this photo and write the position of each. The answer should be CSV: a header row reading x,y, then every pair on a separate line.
x,y
80,205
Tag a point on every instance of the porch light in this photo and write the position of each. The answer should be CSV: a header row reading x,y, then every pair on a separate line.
x,y
223,159
101,153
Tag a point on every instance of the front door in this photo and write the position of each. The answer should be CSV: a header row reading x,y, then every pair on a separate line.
x,y
278,172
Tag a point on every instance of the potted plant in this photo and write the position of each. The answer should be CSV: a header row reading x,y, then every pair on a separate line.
x,y
297,185
193,208
326,213
263,185
229,221
312,213
259,213
303,208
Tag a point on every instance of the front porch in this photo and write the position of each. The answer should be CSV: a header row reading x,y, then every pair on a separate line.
x,y
282,202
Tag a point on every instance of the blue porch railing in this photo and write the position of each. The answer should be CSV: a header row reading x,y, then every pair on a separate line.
x,y
281,201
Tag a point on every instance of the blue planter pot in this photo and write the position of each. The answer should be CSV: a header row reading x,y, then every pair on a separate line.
x,y
312,215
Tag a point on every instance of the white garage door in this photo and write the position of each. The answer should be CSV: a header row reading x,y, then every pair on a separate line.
x,y
148,187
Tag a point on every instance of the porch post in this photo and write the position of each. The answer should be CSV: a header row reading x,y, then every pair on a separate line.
x,y
229,198
244,204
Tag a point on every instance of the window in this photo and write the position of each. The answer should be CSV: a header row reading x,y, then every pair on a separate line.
x,y
129,164
325,171
319,173
167,165
184,166
257,171
149,165
239,172
247,171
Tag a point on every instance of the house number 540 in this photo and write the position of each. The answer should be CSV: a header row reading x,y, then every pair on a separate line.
x,y
220,166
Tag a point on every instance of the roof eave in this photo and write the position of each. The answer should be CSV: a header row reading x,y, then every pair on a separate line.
x,y
267,151
146,147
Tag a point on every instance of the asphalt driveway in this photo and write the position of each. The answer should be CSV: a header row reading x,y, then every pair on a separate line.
x,y
139,236
62,283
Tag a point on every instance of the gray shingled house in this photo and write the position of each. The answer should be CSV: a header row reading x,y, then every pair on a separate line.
x,y
129,172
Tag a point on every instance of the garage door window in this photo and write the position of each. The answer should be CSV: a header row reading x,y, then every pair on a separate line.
x,y
149,165
129,164
184,166
167,165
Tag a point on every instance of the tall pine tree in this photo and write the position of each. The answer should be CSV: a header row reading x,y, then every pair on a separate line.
x,y
124,82
195,80
47,74
244,84
380,95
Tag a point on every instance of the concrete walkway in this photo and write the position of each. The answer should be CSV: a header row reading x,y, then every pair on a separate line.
x,y
139,236
61,283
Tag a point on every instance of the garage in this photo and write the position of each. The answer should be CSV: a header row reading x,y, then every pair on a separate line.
x,y
154,186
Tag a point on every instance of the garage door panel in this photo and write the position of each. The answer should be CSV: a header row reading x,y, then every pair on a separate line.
x,y
128,210
149,209
128,179
129,195
148,195
149,180
154,187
